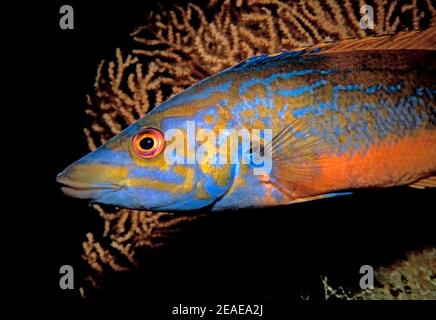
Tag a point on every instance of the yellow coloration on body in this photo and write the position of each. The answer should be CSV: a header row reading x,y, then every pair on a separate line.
x,y
224,117
201,192
248,113
257,90
186,186
275,54
209,119
158,163
98,173
262,111
220,176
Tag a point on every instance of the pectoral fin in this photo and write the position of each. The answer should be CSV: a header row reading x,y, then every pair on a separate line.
x,y
296,162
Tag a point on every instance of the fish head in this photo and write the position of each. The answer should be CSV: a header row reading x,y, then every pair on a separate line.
x,y
153,165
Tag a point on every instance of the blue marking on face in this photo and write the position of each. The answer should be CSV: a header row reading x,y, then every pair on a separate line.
x,y
139,198
212,187
106,156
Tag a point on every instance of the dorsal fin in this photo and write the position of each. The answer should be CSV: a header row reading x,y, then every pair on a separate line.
x,y
406,40
267,59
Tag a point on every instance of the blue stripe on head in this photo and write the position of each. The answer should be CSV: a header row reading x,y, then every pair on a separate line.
x,y
138,198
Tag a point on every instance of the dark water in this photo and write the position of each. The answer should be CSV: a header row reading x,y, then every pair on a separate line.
x,y
272,256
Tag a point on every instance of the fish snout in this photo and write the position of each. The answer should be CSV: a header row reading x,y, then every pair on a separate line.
x,y
89,181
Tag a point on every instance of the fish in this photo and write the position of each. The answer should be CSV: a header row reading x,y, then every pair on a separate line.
x,y
329,119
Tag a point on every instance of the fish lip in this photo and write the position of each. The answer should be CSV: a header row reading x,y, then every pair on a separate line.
x,y
87,186
88,192
84,190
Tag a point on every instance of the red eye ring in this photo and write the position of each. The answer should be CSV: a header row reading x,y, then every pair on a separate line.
x,y
149,143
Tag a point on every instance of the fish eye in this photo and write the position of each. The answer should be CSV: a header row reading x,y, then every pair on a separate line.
x,y
148,143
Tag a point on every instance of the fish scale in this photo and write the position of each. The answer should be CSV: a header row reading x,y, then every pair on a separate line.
x,y
387,96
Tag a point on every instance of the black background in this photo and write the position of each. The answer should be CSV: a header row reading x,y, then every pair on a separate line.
x,y
271,256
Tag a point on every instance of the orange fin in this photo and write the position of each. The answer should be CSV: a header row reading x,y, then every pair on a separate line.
x,y
429,182
321,196
296,163
406,40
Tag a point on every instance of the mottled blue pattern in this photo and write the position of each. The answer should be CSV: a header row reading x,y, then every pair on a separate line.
x,y
366,123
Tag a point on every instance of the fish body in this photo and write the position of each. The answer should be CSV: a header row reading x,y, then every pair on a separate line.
x,y
358,114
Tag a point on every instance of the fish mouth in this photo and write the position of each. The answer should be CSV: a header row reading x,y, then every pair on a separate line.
x,y
85,190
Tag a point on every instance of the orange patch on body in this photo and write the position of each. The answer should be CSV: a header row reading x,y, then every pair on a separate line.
x,y
209,118
391,163
388,164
